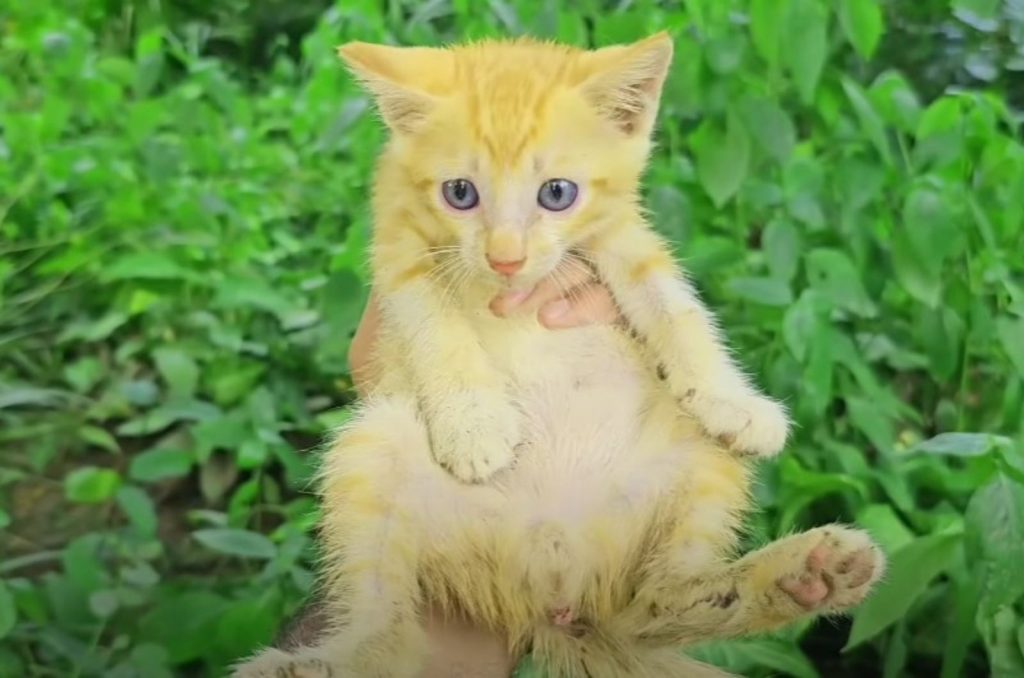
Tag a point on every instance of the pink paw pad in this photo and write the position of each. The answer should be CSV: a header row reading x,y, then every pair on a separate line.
x,y
830,576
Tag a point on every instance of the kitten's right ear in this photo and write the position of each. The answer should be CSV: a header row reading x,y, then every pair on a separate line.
x,y
396,76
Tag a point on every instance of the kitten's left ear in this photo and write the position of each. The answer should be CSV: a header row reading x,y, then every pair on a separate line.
x,y
400,79
624,81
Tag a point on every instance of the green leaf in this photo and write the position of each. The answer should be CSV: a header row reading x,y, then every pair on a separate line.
x,y
138,508
722,158
149,265
895,100
229,382
149,58
917,275
184,623
910,571
724,54
178,370
93,330
871,420
91,485
945,114
994,524
962,631
805,57
770,126
926,238
104,604
5,519
961,444
1000,633
870,122
248,624
980,14
778,655
528,667
888,529
801,326
833,275
751,657
781,243
234,542
862,24
250,293
99,437
1011,335
767,291
84,373
8,612
767,23
941,332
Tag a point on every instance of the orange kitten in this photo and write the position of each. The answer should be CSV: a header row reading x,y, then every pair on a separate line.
x,y
606,545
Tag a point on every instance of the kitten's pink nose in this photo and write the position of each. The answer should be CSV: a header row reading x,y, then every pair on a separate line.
x,y
506,267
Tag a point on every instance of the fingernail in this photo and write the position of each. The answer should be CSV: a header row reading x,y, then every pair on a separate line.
x,y
555,310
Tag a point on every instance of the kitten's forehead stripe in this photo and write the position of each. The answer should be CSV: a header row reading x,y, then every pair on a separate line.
x,y
508,87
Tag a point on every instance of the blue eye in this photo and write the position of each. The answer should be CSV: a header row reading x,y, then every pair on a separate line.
x,y
557,194
460,194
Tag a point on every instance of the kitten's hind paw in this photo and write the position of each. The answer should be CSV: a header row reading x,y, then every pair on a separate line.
x,y
837,572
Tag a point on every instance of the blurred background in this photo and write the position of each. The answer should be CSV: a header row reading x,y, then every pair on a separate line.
x,y
183,221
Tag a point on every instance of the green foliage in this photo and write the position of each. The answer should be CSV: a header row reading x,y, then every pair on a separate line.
x,y
183,221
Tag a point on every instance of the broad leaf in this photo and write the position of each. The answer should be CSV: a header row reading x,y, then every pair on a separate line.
x,y
91,485
179,371
781,243
767,291
961,444
870,122
767,26
770,126
1011,335
8,612
805,55
722,157
160,464
833,275
233,542
862,23
909,572
995,539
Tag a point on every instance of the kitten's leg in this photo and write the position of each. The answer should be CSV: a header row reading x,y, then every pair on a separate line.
x,y
473,425
665,310
382,498
823,571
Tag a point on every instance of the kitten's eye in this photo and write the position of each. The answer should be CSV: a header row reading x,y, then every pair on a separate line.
x,y
557,194
460,194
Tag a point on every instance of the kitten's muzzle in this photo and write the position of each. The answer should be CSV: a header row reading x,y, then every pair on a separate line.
x,y
506,268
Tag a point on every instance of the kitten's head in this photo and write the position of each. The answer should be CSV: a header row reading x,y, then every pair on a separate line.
x,y
517,151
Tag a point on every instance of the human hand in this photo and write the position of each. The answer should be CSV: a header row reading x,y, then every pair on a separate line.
x,y
572,296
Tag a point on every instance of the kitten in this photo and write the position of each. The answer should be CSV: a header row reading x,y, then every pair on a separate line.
x,y
572,490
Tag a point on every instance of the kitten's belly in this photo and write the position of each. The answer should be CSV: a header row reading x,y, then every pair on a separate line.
x,y
589,449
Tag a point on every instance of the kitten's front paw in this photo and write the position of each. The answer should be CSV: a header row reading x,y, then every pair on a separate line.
x,y
746,424
474,434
